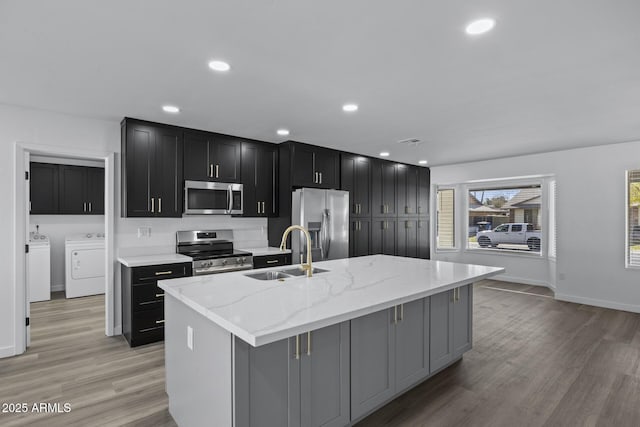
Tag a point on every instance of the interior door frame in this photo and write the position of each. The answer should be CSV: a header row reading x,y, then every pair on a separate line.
x,y
22,152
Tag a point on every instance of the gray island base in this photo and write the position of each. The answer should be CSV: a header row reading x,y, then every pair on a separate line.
x,y
321,351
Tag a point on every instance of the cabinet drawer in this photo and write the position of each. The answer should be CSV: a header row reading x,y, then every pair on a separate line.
x,y
148,326
271,260
146,296
160,272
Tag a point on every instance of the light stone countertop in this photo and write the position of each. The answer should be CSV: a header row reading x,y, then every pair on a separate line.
x,y
260,312
142,260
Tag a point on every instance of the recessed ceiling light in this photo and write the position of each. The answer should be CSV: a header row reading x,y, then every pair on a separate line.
x,y
480,26
422,162
283,132
384,154
219,65
170,109
350,107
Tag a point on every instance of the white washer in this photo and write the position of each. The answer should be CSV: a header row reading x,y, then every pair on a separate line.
x,y
39,267
84,265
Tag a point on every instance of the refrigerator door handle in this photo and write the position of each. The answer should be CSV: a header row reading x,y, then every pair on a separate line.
x,y
324,231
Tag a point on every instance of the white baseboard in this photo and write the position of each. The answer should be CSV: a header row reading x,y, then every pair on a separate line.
x,y
117,330
7,352
505,278
599,303
57,288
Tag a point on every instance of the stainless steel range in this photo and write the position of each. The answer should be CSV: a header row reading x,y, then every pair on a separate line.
x,y
210,253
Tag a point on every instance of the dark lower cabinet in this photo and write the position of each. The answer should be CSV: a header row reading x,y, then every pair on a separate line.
x,y
143,301
265,261
298,381
43,188
360,237
383,236
66,189
407,243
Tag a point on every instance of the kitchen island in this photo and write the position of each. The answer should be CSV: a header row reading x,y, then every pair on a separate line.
x,y
325,350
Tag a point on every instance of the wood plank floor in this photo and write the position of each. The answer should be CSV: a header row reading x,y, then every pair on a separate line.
x,y
535,362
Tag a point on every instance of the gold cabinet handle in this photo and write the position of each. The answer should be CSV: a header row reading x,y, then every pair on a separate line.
x,y
159,204
401,317
309,343
395,314
263,211
320,177
159,321
163,273
159,295
211,170
297,352
217,168
84,207
153,204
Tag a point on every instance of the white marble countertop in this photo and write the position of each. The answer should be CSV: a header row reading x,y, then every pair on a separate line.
x,y
141,260
265,251
260,312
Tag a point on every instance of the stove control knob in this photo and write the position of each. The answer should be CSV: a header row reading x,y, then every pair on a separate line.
x,y
238,260
224,262
244,260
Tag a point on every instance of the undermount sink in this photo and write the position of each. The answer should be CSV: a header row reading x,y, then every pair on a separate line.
x,y
282,274
268,275
297,271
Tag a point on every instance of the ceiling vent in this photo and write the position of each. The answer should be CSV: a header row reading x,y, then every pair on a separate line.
x,y
410,141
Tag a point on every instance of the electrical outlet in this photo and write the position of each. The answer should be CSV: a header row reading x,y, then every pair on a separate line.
x,y
190,338
144,232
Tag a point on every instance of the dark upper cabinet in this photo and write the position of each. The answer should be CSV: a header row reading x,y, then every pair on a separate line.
x,y
356,178
66,189
383,189
406,190
259,179
43,188
211,157
314,166
424,184
151,170
81,190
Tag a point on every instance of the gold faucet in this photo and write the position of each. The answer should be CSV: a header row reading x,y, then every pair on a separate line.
x,y
283,245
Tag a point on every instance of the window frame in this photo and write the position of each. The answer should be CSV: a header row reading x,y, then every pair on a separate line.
x,y
455,247
501,183
627,226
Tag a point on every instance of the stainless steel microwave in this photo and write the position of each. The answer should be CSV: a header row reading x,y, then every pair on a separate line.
x,y
207,198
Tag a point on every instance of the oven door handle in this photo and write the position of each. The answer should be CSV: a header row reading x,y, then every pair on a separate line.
x,y
197,272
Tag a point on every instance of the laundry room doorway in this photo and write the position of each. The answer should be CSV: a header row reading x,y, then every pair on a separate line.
x,y
65,223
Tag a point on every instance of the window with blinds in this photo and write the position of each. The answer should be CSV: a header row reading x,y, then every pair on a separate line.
x,y
445,230
633,218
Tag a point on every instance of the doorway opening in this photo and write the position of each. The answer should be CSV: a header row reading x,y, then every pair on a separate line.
x,y
65,223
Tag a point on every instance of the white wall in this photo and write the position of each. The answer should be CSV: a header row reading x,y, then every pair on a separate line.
x,y
64,131
57,228
590,214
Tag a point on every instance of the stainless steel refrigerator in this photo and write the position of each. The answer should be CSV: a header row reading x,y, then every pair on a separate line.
x,y
325,213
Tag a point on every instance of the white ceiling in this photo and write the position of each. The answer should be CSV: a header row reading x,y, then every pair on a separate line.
x,y
551,75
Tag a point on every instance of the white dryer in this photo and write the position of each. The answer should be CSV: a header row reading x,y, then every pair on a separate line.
x,y
84,265
39,267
